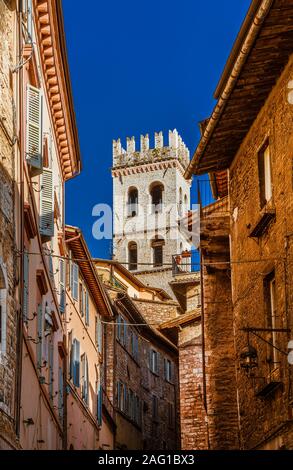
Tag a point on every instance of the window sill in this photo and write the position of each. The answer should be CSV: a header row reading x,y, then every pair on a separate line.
x,y
267,215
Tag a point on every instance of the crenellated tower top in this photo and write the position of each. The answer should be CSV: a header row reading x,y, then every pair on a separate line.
x,y
176,149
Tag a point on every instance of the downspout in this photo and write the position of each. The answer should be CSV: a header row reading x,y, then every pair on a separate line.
x,y
220,106
19,333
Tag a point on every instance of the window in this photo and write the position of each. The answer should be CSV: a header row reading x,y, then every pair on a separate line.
x,y
40,328
86,306
47,204
133,345
155,408
62,277
132,203
3,306
84,378
185,203
156,192
74,280
154,361
81,300
157,246
75,362
60,394
25,301
122,396
170,415
99,334
264,172
132,256
34,130
271,313
121,330
168,370
99,403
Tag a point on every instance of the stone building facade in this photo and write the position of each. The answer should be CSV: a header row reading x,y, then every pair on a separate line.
x,y
252,270
150,195
8,192
141,362
88,426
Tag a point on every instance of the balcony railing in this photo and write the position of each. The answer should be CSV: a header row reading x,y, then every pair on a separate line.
x,y
186,262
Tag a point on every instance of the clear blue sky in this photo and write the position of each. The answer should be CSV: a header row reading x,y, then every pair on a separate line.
x,y
138,67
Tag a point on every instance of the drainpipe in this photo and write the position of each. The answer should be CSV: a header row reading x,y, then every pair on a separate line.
x,y
20,155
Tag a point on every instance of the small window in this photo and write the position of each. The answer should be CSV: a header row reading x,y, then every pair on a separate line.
x,y
156,193
132,256
264,173
121,330
157,246
271,315
132,203
154,361
168,370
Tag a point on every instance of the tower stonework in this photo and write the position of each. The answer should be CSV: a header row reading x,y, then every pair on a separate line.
x,y
150,196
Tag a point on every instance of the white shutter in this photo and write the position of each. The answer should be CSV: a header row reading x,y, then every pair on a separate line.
x,y
74,286
34,128
46,204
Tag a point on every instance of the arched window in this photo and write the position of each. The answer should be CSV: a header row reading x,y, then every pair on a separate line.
x,y
132,256
157,246
186,203
156,192
132,202
3,305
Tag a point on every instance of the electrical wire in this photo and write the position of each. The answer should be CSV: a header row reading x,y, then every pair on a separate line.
x,y
92,260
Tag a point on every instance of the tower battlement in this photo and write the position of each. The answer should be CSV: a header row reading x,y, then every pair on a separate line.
x,y
176,149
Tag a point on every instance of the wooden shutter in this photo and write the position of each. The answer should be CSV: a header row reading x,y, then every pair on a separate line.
x,y
62,285
99,404
165,369
74,281
87,314
25,285
99,335
51,370
71,345
86,381
39,335
60,394
34,129
46,204
76,363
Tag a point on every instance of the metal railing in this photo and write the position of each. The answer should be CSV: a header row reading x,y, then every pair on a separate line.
x,y
186,262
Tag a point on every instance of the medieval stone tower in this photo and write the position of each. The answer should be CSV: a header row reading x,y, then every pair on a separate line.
x,y
150,197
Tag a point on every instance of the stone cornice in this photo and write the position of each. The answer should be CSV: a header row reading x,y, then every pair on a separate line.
x,y
147,168
50,33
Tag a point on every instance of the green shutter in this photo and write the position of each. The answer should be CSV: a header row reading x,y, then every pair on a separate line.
x,y
34,129
46,204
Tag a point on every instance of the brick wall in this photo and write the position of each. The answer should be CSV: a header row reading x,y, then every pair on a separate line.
x,y
260,419
156,313
136,374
